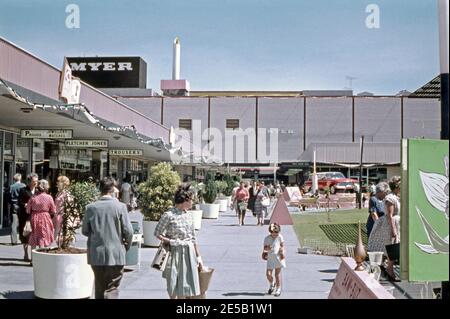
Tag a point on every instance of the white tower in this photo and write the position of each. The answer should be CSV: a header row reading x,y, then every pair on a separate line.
x,y
176,59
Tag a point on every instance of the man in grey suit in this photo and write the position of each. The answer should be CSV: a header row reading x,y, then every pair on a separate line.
x,y
110,233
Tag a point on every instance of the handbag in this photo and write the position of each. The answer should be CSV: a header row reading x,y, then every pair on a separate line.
x,y
265,202
204,277
27,229
393,252
242,205
161,257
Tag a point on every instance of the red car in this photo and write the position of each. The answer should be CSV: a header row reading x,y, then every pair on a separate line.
x,y
335,180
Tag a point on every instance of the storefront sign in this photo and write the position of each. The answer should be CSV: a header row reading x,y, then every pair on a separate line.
x,y
87,143
424,210
110,72
126,152
46,133
351,284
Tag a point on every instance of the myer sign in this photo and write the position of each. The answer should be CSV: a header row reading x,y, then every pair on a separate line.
x,y
87,143
46,133
110,72
126,152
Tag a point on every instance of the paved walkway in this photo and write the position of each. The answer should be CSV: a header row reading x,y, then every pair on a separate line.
x,y
233,251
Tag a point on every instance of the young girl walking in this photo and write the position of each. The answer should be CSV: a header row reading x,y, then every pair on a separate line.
x,y
274,254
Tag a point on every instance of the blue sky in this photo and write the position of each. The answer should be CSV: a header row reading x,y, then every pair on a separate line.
x,y
243,45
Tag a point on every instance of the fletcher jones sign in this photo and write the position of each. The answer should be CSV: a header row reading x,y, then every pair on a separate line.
x,y
46,133
126,152
87,143
110,72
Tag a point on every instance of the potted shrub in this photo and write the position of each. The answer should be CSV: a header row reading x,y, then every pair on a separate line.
x,y
222,200
196,213
63,272
156,197
230,185
209,194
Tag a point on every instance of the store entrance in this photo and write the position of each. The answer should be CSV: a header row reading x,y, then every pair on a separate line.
x,y
7,173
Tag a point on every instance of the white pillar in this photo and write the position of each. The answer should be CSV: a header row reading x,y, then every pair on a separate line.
x,y
176,59
443,34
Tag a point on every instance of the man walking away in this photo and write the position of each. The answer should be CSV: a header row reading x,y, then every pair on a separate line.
x,y
109,232
14,202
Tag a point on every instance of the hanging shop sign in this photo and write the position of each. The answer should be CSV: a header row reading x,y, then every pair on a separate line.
x,y
126,152
87,143
424,210
46,133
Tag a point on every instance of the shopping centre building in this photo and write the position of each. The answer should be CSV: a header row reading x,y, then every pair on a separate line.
x,y
120,127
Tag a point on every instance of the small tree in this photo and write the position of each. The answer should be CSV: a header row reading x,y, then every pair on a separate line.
x,y
156,194
230,185
221,186
210,191
80,194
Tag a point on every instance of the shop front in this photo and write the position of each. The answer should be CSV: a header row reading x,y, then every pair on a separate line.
x,y
15,158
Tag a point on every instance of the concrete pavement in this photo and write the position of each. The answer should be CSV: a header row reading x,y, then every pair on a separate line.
x,y
233,251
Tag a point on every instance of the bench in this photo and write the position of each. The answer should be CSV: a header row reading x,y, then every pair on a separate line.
x,y
308,202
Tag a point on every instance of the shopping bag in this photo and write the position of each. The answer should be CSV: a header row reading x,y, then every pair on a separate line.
x,y
393,252
27,229
204,277
161,257
265,202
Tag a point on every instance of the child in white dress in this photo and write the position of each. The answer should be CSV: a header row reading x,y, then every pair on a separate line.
x,y
274,254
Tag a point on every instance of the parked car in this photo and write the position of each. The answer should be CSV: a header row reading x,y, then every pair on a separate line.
x,y
335,180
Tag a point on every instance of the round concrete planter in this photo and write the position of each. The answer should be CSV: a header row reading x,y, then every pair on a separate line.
x,y
197,217
229,200
62,276
149,230
210,211
223,205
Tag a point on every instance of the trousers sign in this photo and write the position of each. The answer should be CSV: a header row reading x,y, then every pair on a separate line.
x,y
87,143
46,133
126,152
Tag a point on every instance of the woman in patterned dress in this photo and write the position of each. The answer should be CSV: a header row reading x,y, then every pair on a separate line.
x,y
61,197
386,230
176,229
41,208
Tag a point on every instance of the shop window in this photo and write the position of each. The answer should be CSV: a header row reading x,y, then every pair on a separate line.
x,y
185,124
232,124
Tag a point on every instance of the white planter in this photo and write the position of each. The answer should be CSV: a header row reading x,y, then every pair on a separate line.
x,y
197,216
62,276
229,200
149,230
223,205
210,210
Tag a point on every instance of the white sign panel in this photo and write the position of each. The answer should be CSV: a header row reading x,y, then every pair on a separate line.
x,y
69,86
46,133
126,152
87,143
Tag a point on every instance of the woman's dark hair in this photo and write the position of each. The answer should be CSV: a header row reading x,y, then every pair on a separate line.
x,y
184,193
107,185
394,183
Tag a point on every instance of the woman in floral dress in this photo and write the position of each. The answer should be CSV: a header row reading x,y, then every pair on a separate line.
x,y
41,208
176,229
386,230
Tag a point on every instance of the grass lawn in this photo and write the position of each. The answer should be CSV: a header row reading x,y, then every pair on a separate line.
x,y
315,231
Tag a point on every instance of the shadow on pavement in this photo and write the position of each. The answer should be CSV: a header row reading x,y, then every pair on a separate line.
x,y
231,294
14,265
329,271
327,280
17,294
